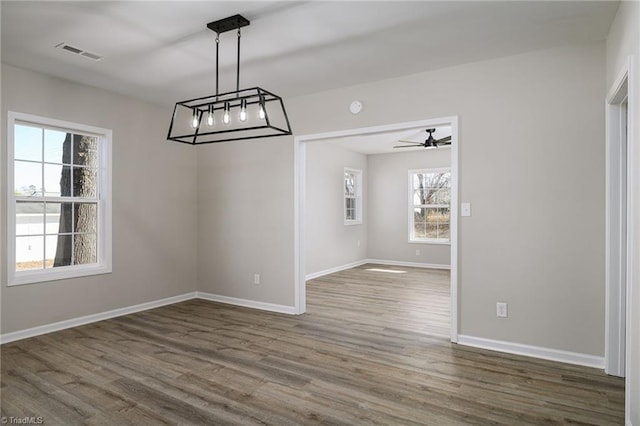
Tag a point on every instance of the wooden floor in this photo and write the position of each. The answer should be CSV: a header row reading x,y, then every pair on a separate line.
x,y
371,350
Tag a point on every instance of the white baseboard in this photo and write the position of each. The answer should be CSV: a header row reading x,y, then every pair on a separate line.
x,y
408,264
533,351
334,269
87,319
75,322
283,309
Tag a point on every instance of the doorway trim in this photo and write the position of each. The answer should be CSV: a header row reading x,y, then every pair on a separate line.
x,y
300,197
618,224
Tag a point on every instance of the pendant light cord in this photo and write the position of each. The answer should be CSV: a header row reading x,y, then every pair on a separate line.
x,y
217,54
238,65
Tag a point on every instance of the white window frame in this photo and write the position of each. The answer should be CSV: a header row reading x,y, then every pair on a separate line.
x,y
411,206
358,197
104,261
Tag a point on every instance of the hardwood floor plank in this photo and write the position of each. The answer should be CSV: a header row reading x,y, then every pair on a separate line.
x,y
372,349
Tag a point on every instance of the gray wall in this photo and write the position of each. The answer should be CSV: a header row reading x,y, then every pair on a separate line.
x,y
154,204
245,219
383,234
329,242
388,203
531,163
624,40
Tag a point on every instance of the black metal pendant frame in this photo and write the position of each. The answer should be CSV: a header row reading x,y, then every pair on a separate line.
x,y
194,121
275,122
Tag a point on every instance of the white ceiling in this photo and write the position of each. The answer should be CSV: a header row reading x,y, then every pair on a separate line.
x,y
162,52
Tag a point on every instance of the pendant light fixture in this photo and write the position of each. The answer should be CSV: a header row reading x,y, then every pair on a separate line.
x,y
242,114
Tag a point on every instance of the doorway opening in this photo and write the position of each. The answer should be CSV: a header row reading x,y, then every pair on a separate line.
x,y
301,144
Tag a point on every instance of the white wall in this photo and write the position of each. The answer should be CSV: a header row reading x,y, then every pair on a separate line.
x,y
329,242
624,40
388,204
154,204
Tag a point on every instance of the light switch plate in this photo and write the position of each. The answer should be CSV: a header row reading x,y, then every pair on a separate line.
x,y
501,310
465,209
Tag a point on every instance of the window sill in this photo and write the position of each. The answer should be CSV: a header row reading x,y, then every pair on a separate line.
x,y
433,242
352,222
32,277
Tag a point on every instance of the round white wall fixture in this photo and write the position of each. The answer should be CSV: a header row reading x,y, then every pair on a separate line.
x,y
355,107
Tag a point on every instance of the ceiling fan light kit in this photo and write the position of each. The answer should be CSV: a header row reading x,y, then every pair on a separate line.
x,y
241,114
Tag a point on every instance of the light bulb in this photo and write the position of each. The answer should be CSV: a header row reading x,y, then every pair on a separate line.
x,y
194,120
210,116
261,113
243,110
225,118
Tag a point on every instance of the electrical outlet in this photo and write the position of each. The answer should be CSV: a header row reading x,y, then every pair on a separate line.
x,y
417,252
256,279
501,310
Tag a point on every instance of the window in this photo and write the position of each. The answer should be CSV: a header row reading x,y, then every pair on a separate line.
x,y
59,210
352,196
429,201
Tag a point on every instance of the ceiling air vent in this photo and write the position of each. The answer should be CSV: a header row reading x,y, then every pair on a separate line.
x,y
78,51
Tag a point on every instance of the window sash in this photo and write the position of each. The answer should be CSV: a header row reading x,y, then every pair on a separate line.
x,y
46,235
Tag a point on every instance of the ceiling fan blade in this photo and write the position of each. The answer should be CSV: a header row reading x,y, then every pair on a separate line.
x,y
444,140
408,146
406,141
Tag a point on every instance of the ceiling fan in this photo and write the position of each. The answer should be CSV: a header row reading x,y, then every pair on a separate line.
x,y
430,142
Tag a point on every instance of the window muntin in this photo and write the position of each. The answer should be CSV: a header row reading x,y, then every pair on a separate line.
x,y
59,199
429,205
352,196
